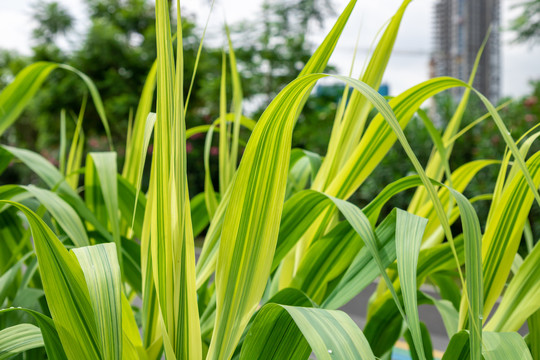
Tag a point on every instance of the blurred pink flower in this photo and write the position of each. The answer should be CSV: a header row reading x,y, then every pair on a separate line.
x,y
47,155
530,101
189,147
214,151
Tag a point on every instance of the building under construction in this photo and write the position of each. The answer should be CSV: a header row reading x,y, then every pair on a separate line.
x,y
460,28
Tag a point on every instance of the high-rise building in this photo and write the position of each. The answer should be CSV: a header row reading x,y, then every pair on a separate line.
x,y
460,28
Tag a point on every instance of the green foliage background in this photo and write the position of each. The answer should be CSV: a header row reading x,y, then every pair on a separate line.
x,y
119,48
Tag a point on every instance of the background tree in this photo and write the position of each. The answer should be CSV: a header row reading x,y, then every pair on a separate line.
x,y
54,22
273,49
117,50
527,24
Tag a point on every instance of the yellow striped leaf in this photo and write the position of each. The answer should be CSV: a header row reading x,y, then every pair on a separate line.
x,y
331,334
409,232
65,290
99,264
19,338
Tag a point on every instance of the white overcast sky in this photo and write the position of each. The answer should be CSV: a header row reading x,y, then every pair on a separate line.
x,y
408,65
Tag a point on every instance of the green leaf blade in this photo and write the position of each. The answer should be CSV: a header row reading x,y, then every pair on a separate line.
x,y
99,264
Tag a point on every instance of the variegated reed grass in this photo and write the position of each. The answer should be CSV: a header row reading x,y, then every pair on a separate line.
x,y
281,253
